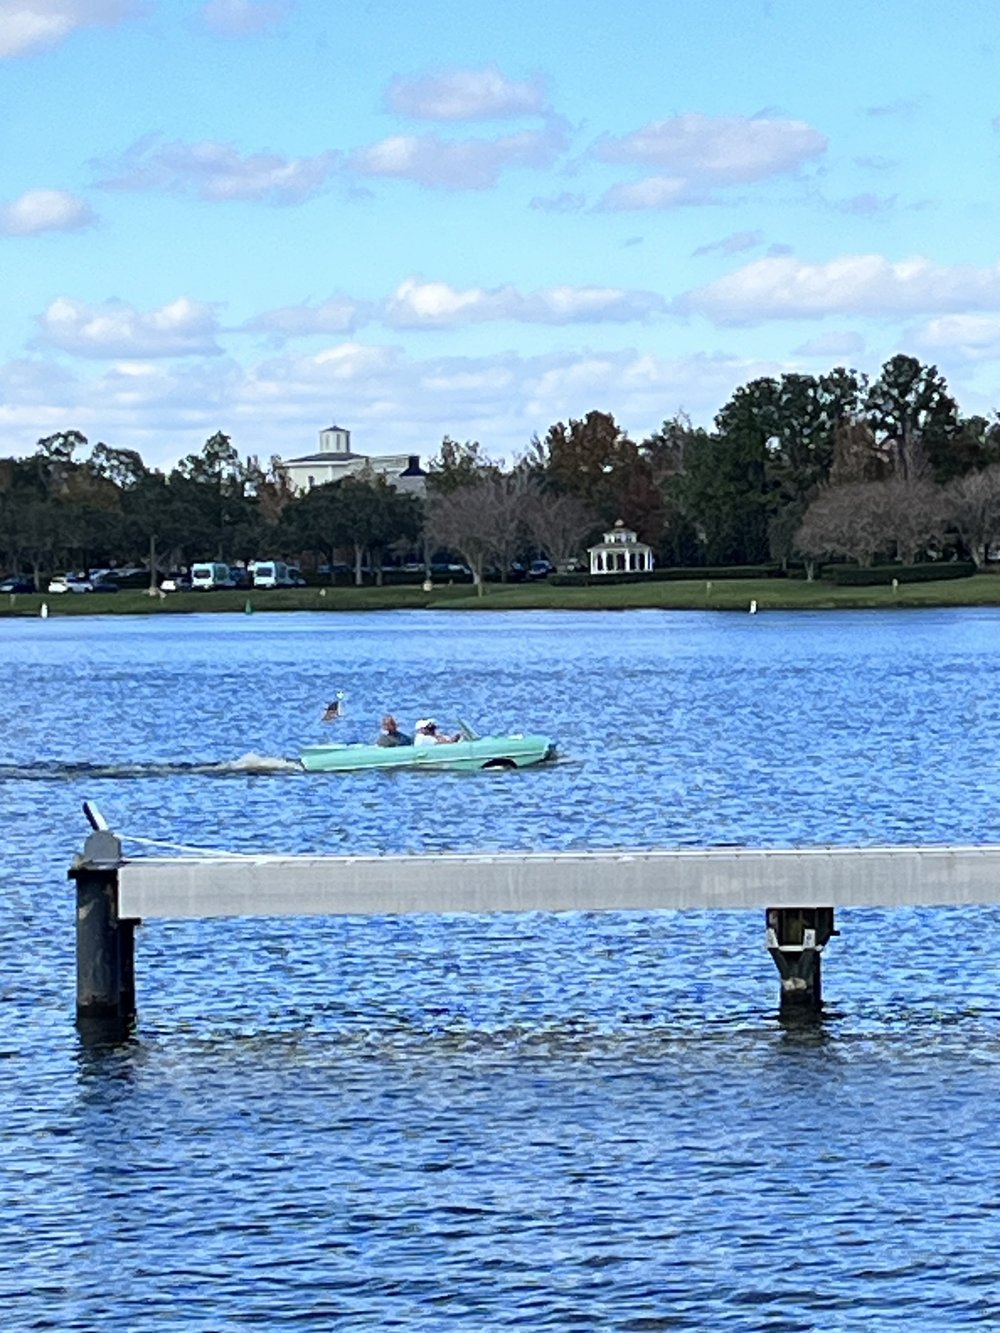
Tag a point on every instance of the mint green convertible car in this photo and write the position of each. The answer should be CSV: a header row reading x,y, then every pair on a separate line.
x,y
465,755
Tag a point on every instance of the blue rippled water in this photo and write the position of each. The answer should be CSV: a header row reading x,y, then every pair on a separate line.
x,y
573,1122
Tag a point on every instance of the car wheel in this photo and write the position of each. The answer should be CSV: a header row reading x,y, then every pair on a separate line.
x,y
499,763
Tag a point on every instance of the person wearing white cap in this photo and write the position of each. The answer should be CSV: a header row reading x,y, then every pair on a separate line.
x,y
425,732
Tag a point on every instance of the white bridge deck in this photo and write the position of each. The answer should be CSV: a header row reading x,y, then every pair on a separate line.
x,y
718,878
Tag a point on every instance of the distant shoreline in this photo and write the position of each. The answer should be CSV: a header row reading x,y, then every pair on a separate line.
x,y
687,595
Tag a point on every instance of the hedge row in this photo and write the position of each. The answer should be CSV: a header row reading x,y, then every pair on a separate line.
x,y
701,573
854,576
391,578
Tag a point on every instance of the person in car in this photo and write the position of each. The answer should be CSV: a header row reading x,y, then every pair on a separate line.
x,y
391,734
426,733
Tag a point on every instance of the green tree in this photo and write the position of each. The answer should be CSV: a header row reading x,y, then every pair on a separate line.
x,y
457,465
213,486
976,445
914,420
375,516
667,451
726,490
316,521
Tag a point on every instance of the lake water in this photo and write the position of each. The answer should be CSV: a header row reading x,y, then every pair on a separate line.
x,y
574,1122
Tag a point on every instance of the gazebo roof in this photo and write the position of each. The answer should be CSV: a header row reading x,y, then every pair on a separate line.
x,y
618,537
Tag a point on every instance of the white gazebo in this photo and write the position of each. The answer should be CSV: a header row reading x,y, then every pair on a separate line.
x,y
620,552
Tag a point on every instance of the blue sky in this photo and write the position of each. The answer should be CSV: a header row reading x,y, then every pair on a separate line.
x,y
477,219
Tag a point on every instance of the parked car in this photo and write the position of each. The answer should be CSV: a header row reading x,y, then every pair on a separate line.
x,y
70,583
17,583
516,573
175,581
539,569
441,570
103,585
130,578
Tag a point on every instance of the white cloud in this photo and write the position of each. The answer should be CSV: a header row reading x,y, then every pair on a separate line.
x,y
417,304
337,314
27,26
391,402
34,384
44,210
217,172
638,388
447,378
244,18
973,337
456,164
350,361
114,329
787,288
716,150
466,94
651,192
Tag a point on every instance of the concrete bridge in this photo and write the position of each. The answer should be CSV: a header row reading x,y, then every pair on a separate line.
x,y
797,888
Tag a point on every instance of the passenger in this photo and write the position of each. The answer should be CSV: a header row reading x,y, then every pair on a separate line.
x,y
428,734
391,734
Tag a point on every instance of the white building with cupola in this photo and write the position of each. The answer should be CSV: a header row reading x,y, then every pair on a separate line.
x,y
621,552
335,459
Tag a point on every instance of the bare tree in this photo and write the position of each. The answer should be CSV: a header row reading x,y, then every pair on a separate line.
x,y
862,519
914,515
512,496
842,520
482,519
558,524
973,503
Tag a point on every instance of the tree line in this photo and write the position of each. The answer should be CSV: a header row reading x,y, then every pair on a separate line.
x,y
798,468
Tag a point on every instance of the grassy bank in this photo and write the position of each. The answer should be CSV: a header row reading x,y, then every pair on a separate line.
x,y
693,595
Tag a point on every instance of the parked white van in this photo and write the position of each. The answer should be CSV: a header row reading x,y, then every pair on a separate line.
x,y
272,574
211,575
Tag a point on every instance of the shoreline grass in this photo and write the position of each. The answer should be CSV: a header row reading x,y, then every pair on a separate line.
x,y
683,595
